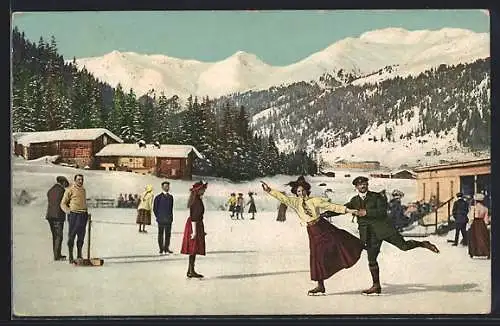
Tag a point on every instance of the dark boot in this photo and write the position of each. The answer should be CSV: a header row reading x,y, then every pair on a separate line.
x,y
376,288
79,252
429,246
320,289
191,273
57,253
70,253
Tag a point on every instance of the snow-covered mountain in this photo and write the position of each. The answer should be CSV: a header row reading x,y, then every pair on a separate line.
x,y
364,57
418,151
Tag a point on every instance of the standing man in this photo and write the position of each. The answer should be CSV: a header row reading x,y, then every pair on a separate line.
x,y
375,226
74,203
163,208
56,216
460,212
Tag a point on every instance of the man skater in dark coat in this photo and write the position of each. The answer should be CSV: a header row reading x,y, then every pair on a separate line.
x,y
56,216
375,226
460,212
163,208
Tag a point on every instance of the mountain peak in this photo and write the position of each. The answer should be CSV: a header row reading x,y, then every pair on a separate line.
x,y
363,56
397,35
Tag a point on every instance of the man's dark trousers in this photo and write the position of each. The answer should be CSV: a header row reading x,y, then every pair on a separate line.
x,y
77,223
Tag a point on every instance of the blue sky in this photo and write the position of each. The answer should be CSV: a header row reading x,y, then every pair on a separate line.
x,y
276,37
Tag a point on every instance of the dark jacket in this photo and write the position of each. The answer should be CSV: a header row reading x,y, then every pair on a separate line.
x,y
397,213
197,210
460,211
54,197
163,208
376,219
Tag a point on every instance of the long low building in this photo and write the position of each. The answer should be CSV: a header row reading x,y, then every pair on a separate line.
x,y
169,161
442,182
73,146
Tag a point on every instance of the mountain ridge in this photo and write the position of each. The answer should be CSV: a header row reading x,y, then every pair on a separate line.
x,y
413,51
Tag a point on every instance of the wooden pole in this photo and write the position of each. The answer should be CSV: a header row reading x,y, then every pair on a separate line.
x,y
88,237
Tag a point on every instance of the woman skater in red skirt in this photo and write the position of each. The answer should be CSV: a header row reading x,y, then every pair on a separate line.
x,y
193,241
331,249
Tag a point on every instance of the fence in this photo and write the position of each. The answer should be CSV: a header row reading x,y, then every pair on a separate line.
x,y
101,202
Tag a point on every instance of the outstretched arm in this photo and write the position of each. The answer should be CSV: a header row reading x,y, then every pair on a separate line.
x,y
288,201
323,203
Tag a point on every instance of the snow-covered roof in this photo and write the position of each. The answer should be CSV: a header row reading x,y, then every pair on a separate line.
x,y
26,138
133,150
403,170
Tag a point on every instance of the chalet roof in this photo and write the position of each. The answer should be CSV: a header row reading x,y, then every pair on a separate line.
x,y
133,150
26,138
486,161
403,170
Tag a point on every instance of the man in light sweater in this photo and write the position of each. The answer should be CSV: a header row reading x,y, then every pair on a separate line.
x,y
74,203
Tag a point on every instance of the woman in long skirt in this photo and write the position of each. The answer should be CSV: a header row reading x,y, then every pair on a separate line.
x,y
193,241
331,249
252,209
479,238
144,209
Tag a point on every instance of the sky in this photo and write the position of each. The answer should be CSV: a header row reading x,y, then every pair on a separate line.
x,y
277,37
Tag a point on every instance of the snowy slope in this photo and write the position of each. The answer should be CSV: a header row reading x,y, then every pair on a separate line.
x,y
412,51
251,267
425,150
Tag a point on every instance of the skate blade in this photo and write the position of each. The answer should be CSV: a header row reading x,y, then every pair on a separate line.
x,y
316,294
373,294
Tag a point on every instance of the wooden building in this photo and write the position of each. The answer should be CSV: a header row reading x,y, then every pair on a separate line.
x,y
169,161
73,146
403,174
442,182
361,165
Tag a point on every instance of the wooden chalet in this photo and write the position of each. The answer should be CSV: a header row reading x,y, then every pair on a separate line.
x,y
169,161
73,146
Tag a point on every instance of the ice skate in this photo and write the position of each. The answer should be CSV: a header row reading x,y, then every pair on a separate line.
x,y
60,258
430,246
193,274
319,290
376,289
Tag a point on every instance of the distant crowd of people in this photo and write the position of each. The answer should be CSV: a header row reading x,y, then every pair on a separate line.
x,y
236,205
467,211
128,201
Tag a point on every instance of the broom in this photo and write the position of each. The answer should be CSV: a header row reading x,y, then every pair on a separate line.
x,y
89,261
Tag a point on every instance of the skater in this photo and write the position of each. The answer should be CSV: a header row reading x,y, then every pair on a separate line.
x,y
232,204
56,216
144,209
479,242
252,209
375,226
163,208
281,211
239,206
193,241
331,249
460,212
74,203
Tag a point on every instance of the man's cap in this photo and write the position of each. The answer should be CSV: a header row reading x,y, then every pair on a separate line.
x,y
359,180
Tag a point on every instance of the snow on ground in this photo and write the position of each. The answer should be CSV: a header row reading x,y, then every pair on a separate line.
x,y
251,267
